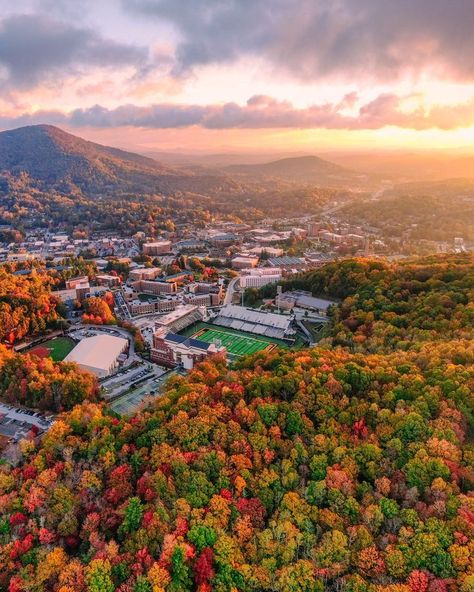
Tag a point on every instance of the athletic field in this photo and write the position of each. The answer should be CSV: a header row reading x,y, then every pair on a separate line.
x,y
236,344
57,348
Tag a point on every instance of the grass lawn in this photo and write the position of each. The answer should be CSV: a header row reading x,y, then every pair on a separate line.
x,y
57,348
237,345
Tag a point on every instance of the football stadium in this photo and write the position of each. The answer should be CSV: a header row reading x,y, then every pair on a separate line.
x,y
237,343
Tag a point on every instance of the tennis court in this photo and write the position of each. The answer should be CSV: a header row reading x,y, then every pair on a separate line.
x,y
236,345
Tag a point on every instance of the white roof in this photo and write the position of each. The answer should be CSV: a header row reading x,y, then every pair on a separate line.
x,y
158,243
99,351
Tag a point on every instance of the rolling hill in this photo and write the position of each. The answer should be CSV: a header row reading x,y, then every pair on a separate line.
x,y
50,159
301,169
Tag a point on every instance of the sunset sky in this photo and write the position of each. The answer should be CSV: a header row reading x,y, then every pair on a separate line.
x,y
219,75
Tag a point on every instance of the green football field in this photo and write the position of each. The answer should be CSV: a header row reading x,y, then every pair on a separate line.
x,y
236,345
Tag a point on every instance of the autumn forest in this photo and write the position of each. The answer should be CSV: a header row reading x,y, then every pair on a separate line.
x,y
346,467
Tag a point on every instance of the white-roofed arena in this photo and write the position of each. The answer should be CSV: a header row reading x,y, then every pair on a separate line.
x,y
98,354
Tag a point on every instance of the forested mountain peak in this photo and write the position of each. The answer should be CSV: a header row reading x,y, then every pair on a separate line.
x,y
48,158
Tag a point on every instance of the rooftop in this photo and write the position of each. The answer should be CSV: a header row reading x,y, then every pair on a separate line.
x,y
187,341
99,351
176,314
276,261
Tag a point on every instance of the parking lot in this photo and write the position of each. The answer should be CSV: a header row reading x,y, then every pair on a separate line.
x,y
150,386
16,422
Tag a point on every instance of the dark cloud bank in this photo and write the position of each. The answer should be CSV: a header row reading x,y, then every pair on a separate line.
x,y
310,39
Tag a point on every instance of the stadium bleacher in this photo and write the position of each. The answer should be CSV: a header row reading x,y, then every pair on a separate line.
x,y
253,321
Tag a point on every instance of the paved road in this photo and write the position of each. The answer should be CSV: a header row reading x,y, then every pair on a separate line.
x,y
231,288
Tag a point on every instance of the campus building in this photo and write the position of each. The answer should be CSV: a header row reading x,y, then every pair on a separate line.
x,y
171,350
155,287
261,276
303,299
243,262
98,354
110,281
157,248
139,307
144,273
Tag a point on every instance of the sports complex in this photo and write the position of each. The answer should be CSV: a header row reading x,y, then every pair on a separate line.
x,y
237,343
57,348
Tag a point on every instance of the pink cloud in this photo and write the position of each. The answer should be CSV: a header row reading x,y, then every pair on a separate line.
x,y
262,112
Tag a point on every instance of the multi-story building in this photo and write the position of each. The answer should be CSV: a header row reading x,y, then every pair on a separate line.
x,y
171,350
257,281
197,299
303,299
223,240
155,287
313,228
331,237
299,232
74,282
83,291
258,277
269,251
214,290
144,273
108,280
242,262
262,271
157,248
139,307
179,278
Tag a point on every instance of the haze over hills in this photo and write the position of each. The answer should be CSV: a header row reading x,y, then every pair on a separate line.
x,y
408,166
390,165
48,158
306,169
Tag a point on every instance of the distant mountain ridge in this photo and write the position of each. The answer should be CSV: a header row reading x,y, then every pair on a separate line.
x,y
49,158
306,169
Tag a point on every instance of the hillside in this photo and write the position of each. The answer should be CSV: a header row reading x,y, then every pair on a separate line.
x,y
302,169
435,211
307,471
46,158
387,307
452,187
51,178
